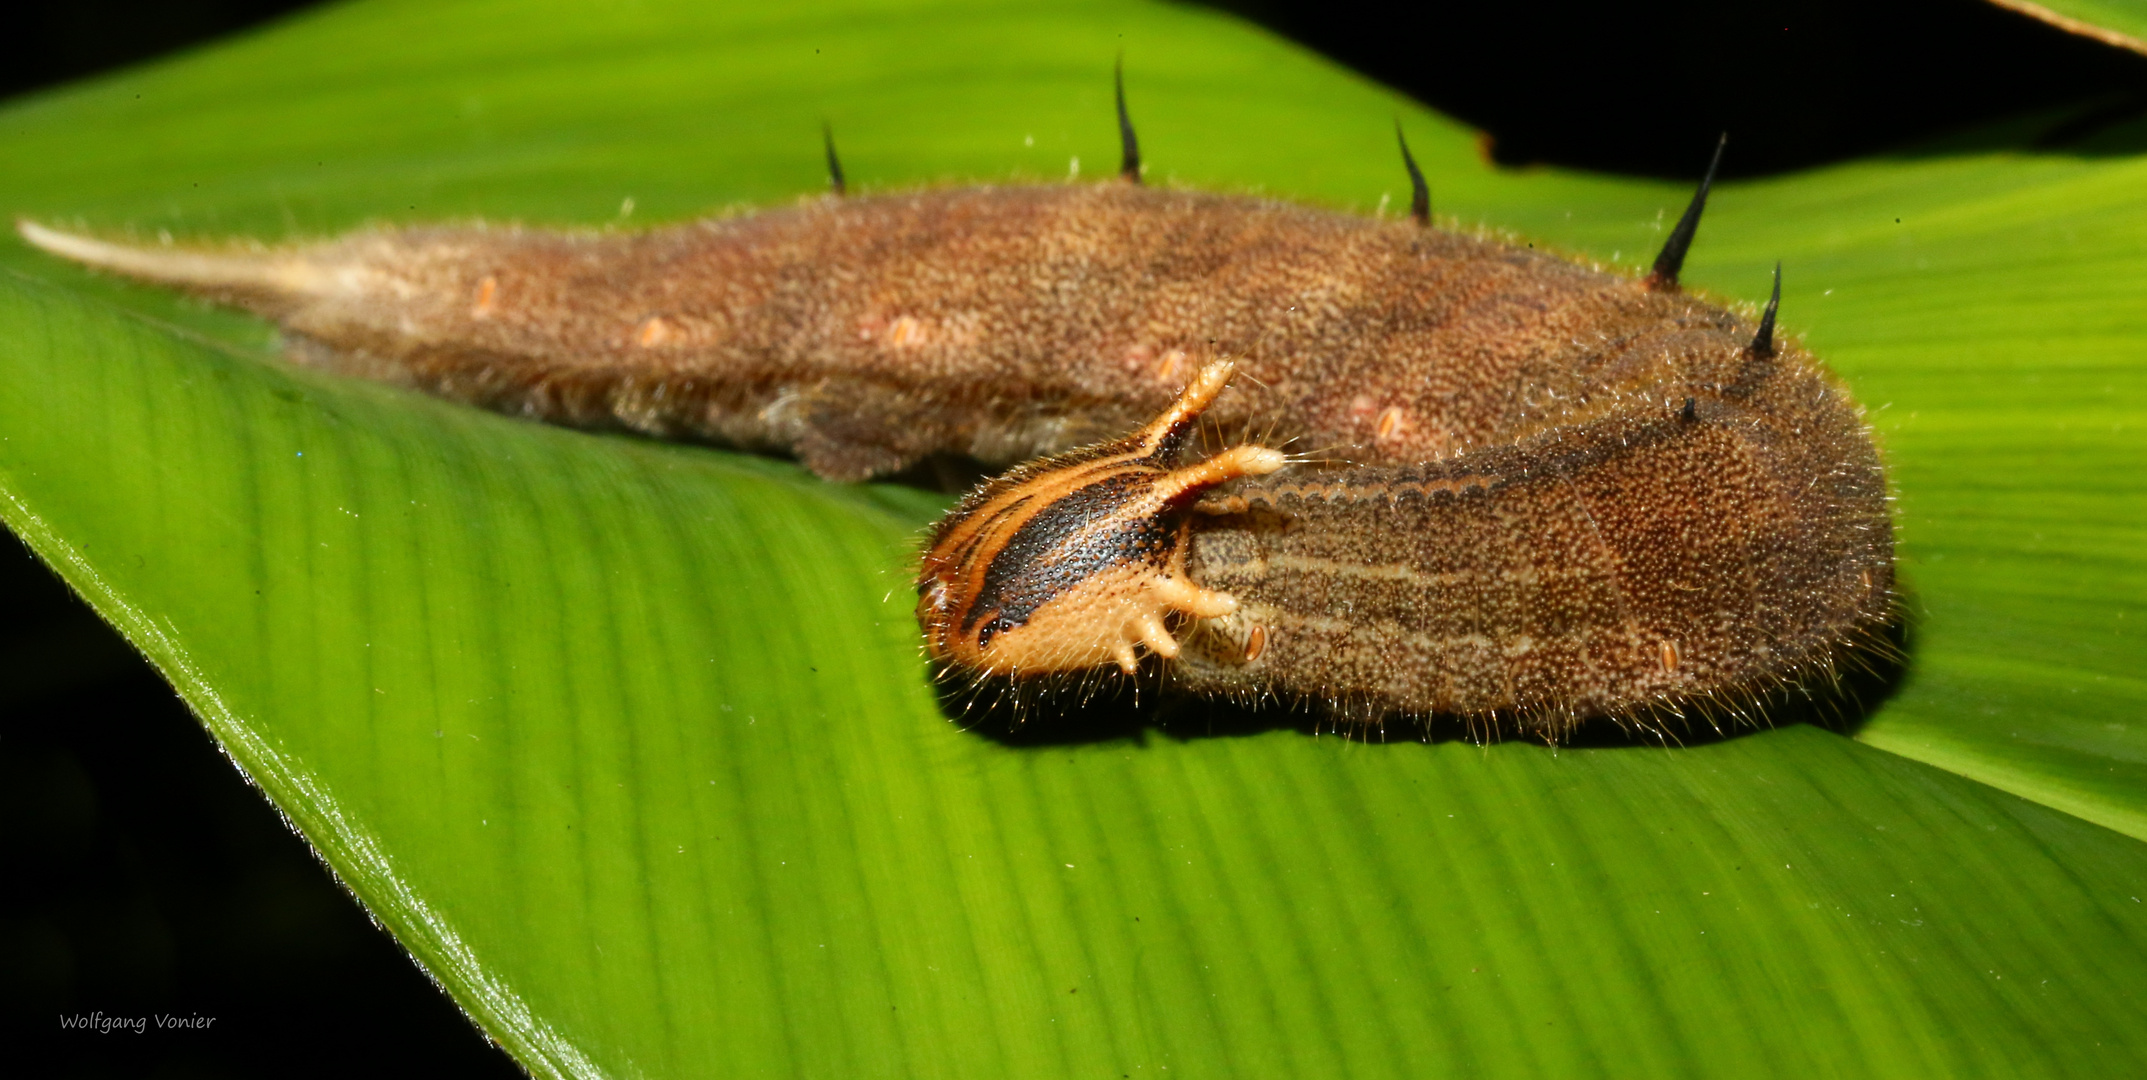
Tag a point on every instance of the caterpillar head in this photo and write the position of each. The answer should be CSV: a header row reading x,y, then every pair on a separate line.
x,y
1073,561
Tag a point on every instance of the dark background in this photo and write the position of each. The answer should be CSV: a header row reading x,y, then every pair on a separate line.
x,y
142,875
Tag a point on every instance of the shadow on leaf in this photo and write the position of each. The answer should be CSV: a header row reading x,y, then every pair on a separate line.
x,y
1100,706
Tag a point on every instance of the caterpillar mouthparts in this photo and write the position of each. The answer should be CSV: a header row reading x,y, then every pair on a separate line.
x,y
1569,493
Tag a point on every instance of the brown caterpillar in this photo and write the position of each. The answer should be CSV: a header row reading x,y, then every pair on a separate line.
x,y
1567,493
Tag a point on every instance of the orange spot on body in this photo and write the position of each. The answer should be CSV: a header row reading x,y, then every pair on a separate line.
x,y
1669,656
905,332
653,331
486,290
1392,424
1255,643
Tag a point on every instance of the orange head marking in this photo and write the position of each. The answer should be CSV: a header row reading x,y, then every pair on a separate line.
x,y
1073,561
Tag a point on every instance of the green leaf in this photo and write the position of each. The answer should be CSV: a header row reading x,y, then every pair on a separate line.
x,y
2122,23
631,744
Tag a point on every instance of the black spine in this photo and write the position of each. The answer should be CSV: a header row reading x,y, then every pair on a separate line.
x,y
1419,191
1763,342
1129,147
835,181
1672,258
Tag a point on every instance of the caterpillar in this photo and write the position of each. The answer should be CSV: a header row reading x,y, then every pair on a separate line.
x,y
1556,492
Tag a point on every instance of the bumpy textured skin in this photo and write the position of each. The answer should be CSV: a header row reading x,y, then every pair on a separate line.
x,y
1520,518
1643,559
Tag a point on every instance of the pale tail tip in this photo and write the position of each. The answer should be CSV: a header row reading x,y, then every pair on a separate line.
x,y
273,276
38,236
68,245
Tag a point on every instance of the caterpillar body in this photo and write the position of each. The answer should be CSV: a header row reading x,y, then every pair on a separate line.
x,y
1558,492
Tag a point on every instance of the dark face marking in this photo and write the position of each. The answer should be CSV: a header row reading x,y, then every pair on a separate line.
x,y
1072,561
1073,538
